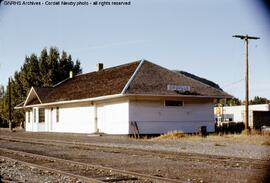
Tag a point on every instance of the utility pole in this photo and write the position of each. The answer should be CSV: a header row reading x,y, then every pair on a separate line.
x,y
246,38
9,105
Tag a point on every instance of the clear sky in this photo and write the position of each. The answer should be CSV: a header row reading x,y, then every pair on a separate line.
x,y
190,35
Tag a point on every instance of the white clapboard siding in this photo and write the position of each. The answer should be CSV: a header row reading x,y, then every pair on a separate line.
x,y
153,117
73,119
113,118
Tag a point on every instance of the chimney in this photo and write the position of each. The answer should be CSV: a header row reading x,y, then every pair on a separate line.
x,y
70,74
99,66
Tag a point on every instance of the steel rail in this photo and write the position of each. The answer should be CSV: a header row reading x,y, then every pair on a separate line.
x,y
118,171
44,168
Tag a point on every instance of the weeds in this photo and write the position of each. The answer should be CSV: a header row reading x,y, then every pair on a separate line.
x,y
251,132
172,135
267,143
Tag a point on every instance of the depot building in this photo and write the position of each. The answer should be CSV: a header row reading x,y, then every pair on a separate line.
x,y
139,96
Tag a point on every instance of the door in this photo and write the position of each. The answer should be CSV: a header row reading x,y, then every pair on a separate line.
x,y
29,121
50,120
101,119
35,121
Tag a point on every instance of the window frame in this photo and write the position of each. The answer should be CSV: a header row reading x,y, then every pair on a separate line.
x,y
41,117
167,102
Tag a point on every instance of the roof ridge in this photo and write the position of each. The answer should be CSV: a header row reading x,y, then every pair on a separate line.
x,y
61,82
132,77
92,72
122,65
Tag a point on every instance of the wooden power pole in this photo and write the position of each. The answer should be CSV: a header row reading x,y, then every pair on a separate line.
x,y
246,38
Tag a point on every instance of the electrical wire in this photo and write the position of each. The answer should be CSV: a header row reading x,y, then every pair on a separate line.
x,y
233,83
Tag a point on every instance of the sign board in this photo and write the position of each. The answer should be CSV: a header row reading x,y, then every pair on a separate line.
x,y
179,88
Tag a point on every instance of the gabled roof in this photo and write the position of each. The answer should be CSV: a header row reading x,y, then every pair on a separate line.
x,y
136,78
43,92
37,95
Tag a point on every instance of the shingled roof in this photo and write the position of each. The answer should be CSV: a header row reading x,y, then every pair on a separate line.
x,y
95,84
136,78
42,93
153,79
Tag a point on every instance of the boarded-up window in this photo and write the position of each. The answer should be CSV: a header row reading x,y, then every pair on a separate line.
x,y
41,115
173,103
57,114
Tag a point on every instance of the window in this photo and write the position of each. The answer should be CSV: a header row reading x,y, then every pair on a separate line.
x,y
41,115
57,114
35,115
173,103
28,116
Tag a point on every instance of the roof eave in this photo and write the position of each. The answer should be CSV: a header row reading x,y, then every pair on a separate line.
x,y
117,96
181,96
73,101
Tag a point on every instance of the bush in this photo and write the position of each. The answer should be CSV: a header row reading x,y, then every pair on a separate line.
x,y
230,128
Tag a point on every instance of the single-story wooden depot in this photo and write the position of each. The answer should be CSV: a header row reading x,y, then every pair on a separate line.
x,y
112,100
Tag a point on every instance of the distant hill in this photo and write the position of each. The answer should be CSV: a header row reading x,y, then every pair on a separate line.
x,y
203,80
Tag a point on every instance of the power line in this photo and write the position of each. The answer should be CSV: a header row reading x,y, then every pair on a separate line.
x,y
233,83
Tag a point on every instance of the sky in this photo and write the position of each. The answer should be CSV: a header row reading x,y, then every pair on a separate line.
x,y
189,35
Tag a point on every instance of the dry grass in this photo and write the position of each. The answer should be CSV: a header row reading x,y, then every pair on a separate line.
x,y
267,143
172,135
241,139
252,132
244,138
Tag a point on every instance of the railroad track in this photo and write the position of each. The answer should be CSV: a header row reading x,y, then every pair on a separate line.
x,y
172,155
82,171
52,170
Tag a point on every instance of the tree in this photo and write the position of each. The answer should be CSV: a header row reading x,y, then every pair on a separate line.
x,y
44,71
233,102
2,119
259,100
44,68
2,91
53,65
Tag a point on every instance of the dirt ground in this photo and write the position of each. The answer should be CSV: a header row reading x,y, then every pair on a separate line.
x,y
190,159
